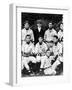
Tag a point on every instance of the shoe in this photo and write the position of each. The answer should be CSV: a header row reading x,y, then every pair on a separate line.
x,y
29,71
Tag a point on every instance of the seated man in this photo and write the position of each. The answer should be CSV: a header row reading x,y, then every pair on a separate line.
x,y
54,58
48,60
58,58
40,50
58,64
27,53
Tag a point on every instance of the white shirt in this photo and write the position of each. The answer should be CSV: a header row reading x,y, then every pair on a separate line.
x,y
39,29
40,48
27,32
60,47
27,48
49,34
57,49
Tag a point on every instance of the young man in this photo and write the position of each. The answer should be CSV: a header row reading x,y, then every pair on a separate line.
x,y
27,52
60,33
40,50
27,31
39,31
48,36
58,53
54,49
50,58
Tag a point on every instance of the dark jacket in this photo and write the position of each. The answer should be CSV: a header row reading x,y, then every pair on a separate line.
x,y
37,34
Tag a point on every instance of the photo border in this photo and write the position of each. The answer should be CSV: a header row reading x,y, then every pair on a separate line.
x,y
16,80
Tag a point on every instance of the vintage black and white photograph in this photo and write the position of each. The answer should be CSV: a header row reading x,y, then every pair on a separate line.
x,y
41,44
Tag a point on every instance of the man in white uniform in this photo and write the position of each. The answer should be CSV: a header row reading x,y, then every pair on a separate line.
x,y
57,56
40,50
57,50
48,36
60,33
27,52
26,31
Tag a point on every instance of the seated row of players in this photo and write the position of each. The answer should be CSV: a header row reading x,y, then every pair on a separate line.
x,y
44,52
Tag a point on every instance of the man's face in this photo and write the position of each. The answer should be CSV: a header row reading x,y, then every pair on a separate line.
x,y
61,26
50,25
26,26
39,25
28,39
40,39
55,39
48,53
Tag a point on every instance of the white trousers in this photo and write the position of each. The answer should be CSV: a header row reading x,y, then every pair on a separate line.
x,y
41,59
26,60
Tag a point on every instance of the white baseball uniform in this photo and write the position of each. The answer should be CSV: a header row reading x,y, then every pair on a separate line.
x,y
60,34
27,48
27,32
58,51
48,36
40,50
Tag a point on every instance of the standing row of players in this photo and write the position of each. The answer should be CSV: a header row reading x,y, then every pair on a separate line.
x,y
42,46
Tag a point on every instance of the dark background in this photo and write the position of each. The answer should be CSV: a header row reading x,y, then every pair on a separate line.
x,y
46,18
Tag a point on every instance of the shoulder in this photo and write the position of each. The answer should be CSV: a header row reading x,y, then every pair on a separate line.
x,y
23,30
54,30
24,43
59,44
37,44
30,30
31,44
47,31
44,44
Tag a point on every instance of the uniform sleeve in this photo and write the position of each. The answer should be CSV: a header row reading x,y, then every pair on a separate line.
x,y
22,49
36,49
33,49
21,35
46,47
59,48
32,35
55,33
45,35
60,35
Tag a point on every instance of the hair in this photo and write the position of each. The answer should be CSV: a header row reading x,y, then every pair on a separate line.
x,y
60,24
39,21
55,36
26,22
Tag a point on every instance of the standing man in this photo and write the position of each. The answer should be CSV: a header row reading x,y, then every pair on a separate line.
x,y
60,33
48,36
26,31
39,31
